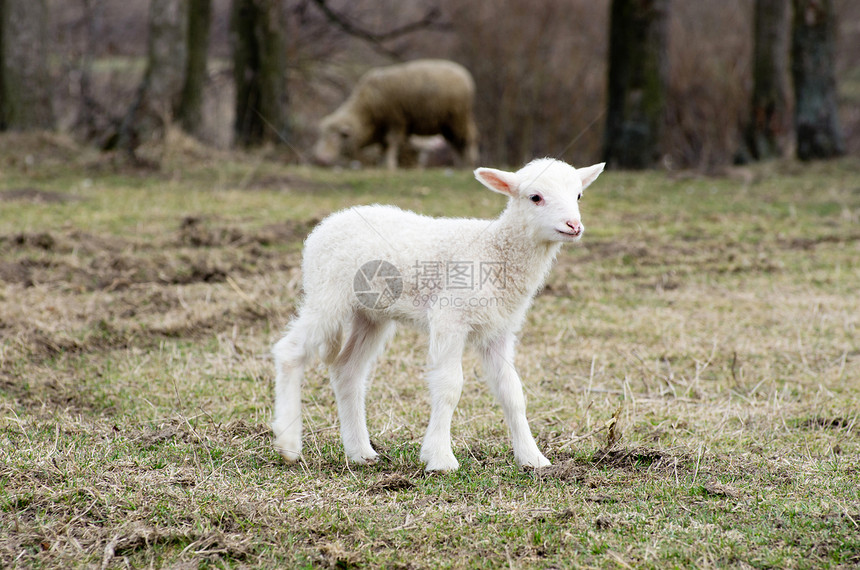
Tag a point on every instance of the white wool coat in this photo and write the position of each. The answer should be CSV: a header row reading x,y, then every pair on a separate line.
x,y
500,268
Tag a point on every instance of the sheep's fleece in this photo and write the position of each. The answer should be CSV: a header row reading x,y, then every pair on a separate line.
x,y
463,281
389,104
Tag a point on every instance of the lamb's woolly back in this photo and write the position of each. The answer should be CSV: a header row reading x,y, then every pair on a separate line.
x,y
498,266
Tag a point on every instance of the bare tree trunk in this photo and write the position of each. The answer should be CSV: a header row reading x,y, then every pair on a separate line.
x,y
190,110
769,118
638,76
25,84
93,22
816,113
259,71
159,91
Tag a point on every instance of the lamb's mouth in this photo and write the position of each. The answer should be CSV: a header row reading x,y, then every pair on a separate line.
x,y
570,234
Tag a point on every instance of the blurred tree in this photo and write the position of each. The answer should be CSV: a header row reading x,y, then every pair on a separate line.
x,y
93,30
25,84
637,83
158,94
813,46
540,75
189,112
769,117
259,70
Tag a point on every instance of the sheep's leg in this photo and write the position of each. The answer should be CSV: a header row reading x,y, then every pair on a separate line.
x,y
462,135
472,144
445,380
349,378
290,358
498,360
394,139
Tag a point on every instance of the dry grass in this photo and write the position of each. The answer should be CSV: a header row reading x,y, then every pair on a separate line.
x,y
693,372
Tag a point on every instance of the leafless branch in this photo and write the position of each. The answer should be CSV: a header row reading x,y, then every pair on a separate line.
x,y
430,20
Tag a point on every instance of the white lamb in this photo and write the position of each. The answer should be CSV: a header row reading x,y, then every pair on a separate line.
x,y
464,281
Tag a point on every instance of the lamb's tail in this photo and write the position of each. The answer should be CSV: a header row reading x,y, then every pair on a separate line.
x,y
307,336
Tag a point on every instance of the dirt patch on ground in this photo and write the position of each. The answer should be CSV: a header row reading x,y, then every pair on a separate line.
x,y
198,231
291,183
590,471
810,243
199,251
15,272
664,264
834,423
637,458
392,482
36,196
571,471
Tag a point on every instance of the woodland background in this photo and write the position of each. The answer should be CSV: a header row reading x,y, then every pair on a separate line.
x,y
540,68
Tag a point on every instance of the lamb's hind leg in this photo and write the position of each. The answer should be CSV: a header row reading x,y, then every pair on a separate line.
x,y
349,377
498,360
291,356
445,380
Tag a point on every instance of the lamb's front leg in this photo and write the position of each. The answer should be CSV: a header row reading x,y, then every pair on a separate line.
x,y
445,380
498,360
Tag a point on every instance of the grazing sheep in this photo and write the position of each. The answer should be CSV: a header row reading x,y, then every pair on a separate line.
x,y
422,97
464,281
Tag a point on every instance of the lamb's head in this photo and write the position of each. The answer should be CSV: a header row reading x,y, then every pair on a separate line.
x,y
545,195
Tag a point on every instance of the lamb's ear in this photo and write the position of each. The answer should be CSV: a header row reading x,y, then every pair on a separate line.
x,y
498,180
590,173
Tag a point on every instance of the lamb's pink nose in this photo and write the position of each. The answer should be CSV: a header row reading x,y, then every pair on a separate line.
x,y
575,227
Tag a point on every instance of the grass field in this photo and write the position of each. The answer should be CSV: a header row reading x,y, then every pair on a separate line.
x,y
692,370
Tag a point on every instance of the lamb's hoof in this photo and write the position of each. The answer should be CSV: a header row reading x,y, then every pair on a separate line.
x,y
289,456
364,458
287,442
445,463
290,447
535,462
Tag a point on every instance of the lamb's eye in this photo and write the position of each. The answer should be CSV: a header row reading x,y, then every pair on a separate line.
x,y
536,198
578,198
